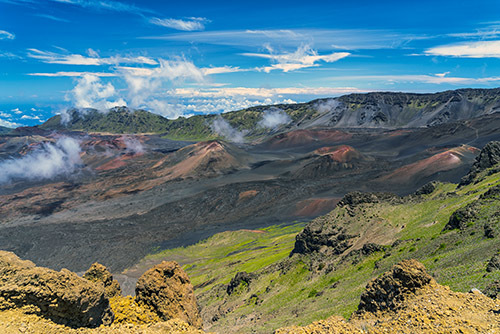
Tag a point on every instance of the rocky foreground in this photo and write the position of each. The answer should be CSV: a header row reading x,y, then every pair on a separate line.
x,y
39,300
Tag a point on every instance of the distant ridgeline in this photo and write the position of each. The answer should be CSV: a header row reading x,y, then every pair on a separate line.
x,y
373,110
4,130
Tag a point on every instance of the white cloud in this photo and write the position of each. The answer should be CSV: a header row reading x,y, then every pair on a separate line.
x,y
432,79
442,75
73,74
323,39
6,35
46,162
17,111
273,117
263,92
53,18
90,92
222,128
481,49
222,69
30,117
304,57
190,24
94,59
107,5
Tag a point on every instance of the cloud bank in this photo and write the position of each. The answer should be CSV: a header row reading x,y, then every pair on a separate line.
x,y
482,49
47,162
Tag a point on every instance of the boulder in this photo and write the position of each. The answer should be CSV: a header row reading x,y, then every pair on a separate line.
x,y
166,289
487,158
100,274
390,289
61,296
493,263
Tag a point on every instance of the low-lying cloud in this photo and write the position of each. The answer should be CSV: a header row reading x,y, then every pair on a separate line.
x,y
326,105
222,128
132,145
274,117
48,161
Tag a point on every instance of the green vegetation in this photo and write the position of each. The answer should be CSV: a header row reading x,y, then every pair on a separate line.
x,y
304,288
4,130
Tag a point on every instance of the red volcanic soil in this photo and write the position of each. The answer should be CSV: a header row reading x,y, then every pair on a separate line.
x,y
247,194
315,206
117,162
305,137
342,153
440,162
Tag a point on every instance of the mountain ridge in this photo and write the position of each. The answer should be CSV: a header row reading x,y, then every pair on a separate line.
x,y
387,110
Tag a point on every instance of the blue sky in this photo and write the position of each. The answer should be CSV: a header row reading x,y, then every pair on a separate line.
x,y
187,58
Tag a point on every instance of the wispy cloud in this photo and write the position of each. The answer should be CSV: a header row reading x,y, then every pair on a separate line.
x,y
115,6
481,49
190,24
439,78
345,39
6,35
304,57
51,17
92,59
73,74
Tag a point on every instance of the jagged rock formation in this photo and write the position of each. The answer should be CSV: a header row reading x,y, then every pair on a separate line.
x,y
487,158
355,198
166,289
60,296
99,273
328,238
493,263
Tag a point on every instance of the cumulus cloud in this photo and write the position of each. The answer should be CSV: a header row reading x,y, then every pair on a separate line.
x,y
481,49
46,162
190,24
9,124
273,117
303,57
6,35
90,92
222,128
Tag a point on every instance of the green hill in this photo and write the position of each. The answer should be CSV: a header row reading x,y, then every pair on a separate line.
x,y
296,275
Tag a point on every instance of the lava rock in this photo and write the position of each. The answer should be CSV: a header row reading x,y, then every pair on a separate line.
x,y
389,290
492,290
461,217
99,273
427,188
240,278
328,238
61,296
167,290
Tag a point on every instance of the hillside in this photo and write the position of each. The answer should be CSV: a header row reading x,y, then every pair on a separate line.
x,y
386,110
4,130
255,280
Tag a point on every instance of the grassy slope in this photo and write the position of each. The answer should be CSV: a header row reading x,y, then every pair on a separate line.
x,y
297,291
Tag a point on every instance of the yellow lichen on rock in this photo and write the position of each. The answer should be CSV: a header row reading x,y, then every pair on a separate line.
x,y
128,311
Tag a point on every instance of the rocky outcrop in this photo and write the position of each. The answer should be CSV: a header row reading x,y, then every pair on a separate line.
x,y
487,158
462,216
356,198
240,278
100,274
427,188
166,289
325,238
493,263
389,290
61,296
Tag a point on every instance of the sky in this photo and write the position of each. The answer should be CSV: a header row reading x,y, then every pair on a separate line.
x,y
185,58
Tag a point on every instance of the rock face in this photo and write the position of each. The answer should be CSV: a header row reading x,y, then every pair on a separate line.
x,y
493,263
99,273
61,296
355,198
487,158
389,290
166,289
